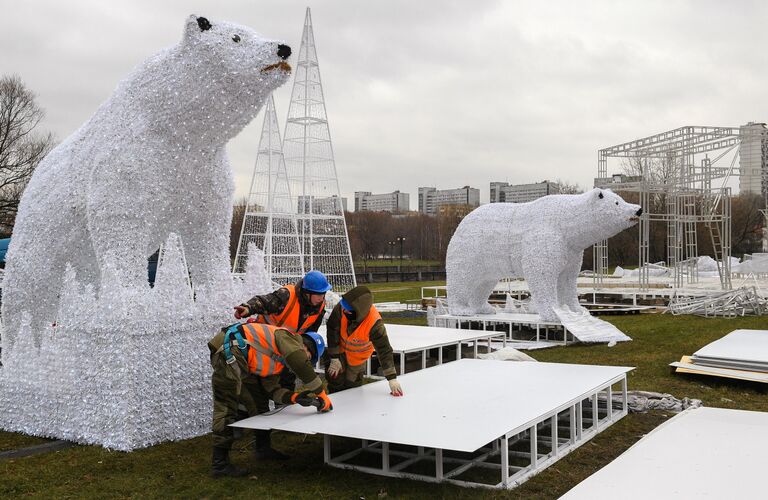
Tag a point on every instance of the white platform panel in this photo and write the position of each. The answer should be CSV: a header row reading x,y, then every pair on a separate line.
x,y
406,339
740,346
473,422
700,453
411,338
456,406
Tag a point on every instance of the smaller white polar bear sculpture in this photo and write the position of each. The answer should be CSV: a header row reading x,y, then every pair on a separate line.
x,y
151,161
542,241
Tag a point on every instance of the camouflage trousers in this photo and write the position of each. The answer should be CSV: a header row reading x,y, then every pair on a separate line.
x,y
233,387
351,376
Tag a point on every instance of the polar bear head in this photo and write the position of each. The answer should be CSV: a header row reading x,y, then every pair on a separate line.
x,y
609,213
218,76
236,52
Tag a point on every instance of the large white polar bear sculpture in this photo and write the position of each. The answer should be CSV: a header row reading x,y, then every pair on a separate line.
x,y
542,241
149,162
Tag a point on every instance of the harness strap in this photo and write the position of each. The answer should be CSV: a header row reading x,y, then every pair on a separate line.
x,y
242,344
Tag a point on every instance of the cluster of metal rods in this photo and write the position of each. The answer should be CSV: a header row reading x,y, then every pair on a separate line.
x,y
744,301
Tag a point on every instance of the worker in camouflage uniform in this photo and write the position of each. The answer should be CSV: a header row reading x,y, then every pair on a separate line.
x,y
296,307
247,359
355,331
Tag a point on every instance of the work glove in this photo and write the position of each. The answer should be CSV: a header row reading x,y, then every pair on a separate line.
x,y
326,402
335,368
394,388
304,398
242,311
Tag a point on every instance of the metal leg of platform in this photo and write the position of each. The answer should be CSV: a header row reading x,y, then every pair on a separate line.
x,y
440,355
610,403
423,359
402,363
555,444
449,468
505,461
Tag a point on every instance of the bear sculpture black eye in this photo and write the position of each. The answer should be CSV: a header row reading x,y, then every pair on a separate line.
x,y
236,38
617,202
600,196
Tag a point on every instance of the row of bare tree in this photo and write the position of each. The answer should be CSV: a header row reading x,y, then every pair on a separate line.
x,y
21,146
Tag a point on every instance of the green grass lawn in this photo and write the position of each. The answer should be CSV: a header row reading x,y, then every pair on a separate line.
x,y
399,291
181,469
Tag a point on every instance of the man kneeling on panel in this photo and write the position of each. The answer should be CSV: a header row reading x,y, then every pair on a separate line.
x,y
355,331
247,360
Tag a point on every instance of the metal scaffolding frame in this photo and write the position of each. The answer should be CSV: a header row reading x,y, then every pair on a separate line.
x,y
312,174
696,158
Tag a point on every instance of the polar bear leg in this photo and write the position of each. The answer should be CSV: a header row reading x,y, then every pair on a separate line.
x,y
467,291
207,253
541,268
121,245
567,292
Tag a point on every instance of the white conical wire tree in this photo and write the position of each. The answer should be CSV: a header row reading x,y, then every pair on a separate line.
x,y
312,172
270,217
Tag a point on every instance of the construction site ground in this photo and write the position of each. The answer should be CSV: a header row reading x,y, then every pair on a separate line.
x,y
181,469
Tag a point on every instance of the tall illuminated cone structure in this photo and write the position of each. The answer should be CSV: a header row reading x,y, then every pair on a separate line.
x,y
312,172
270,217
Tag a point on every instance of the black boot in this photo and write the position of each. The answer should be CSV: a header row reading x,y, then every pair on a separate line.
x,y
263,449
221,466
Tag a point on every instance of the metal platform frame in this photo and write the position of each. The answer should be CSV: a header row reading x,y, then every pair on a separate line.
x,y
473,339
521,453
512,322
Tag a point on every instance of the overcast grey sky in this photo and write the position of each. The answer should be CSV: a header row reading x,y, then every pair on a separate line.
x,y
428,93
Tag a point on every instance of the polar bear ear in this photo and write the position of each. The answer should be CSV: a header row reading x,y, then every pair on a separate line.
x,y
195,25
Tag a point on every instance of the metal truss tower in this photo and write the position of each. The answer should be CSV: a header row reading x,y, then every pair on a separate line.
x,y
686,188
312,172
270,216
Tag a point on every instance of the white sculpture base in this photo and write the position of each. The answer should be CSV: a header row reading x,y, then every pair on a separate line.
x,y
127,389
124,371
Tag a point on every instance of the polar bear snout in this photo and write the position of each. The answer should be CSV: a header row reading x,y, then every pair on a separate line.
x,y
639,212
283,51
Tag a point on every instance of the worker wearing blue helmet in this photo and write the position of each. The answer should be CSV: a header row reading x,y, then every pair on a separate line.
x,y
247,361
297,307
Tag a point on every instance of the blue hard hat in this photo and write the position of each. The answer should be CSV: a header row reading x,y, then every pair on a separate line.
x,y
319,345
345,305
316,282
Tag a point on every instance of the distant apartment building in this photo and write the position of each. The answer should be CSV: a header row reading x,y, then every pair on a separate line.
x,y
521,193
753,159
496,193
395,201
431,199
331,205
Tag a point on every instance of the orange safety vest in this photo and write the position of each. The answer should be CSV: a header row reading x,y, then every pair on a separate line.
x,y
357,345
264,358
289,317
